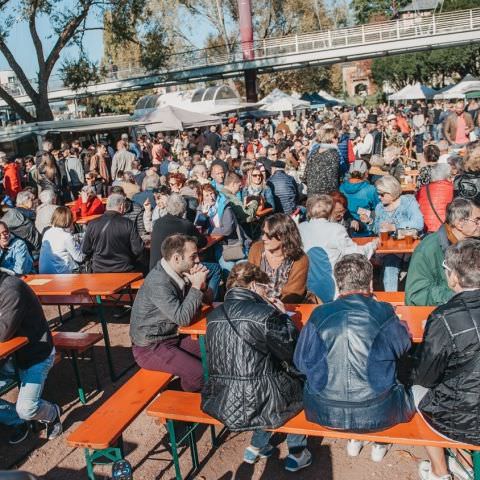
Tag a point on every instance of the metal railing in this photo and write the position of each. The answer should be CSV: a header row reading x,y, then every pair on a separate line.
x,y
396,30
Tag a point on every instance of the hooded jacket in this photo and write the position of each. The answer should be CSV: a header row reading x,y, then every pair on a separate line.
x,y
359,195
250,347
20,222
11,180
349,351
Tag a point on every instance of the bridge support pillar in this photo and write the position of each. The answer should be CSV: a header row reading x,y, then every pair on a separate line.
x,y
251,85
246,39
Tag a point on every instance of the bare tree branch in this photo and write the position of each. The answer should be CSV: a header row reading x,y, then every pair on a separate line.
x,y
29,90
66,35
15,106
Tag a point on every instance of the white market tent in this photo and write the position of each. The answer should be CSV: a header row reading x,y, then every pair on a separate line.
x,y
413,92
170,118
278,101
466,85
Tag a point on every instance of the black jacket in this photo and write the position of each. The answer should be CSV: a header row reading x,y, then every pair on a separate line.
x,y
171,225
113,243
249,387
21,315
322,172
448,363
21,223
134,212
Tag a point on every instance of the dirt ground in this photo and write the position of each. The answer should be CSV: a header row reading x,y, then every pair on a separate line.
x,y
146,441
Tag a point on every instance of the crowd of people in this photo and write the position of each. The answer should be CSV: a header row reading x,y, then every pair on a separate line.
x,y
286,198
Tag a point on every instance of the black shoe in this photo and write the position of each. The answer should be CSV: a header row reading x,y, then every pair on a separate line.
x,y
54,428
20,433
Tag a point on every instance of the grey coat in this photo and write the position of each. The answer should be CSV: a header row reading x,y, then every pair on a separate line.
x,y
161,307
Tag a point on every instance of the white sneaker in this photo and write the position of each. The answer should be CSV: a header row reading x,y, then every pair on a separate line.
x,y
379,450
425,472
458,471
354,447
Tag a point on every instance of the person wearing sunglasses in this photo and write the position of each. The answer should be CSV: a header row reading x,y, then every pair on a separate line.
x,y
280,255
256,187
249,328
446,375
426,280
393,212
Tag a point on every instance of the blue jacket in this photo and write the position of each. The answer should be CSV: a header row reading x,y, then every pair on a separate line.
x,y
285,192
407,215
17,258
343,151
359,195
349,352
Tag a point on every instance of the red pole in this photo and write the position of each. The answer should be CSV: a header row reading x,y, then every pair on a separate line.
x,y
246,39
246,29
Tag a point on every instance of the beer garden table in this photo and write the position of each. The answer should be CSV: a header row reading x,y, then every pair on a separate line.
x,y
11,346
392,245
83,288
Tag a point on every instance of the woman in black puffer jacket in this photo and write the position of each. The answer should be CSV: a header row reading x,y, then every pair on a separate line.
x,y
250,345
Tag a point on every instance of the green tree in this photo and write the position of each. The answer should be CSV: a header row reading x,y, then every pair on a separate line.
x,y
366,11
128,20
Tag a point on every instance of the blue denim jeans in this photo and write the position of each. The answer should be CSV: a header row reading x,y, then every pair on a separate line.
x,y
437,132
214,276
29,405
296,443
391,264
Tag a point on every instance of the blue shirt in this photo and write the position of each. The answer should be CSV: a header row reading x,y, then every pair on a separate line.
x,y
16,257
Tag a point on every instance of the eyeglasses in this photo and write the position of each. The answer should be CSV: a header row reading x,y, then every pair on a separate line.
x,y
269,235
173,184
257,175
446,267
476,221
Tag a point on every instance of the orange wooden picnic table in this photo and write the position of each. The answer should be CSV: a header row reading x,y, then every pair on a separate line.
x,y
11,346
414,317
392,245
81,288
87,220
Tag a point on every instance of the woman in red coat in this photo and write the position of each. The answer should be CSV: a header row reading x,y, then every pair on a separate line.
x,y
87,203
12,183
434,197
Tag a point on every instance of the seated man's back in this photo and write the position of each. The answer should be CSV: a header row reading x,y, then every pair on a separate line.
x,y
112,240
349,352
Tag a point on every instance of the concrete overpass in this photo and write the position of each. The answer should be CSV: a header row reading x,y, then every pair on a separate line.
x,y
296,51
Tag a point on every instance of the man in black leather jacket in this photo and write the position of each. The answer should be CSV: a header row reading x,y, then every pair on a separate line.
x,y
448,360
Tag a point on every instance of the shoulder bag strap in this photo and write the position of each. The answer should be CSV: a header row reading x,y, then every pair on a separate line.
x,y
429,196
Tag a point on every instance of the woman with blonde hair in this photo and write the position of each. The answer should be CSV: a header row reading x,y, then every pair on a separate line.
x,y
60,251
256,187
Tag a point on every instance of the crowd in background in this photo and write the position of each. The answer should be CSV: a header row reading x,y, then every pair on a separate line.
x,y
287,196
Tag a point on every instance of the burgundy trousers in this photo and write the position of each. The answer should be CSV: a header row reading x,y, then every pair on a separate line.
x,y
179,356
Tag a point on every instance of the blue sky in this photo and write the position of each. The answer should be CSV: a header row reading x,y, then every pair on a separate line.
x,y
20,43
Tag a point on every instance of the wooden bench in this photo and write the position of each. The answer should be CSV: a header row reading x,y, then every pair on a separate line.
x,y
172,406
101,433
73,344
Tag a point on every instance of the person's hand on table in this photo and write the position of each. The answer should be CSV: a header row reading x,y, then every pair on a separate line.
x,y
355,224
278,304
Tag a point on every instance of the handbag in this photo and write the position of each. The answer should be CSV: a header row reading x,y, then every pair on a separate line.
x,y
233,252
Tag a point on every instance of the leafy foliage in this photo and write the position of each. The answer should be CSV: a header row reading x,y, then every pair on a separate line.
x,y
78,73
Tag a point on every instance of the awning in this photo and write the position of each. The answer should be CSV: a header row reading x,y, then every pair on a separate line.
x,y
472,95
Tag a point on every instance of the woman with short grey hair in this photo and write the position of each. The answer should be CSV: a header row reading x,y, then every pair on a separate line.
x,y
395,211
45,210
